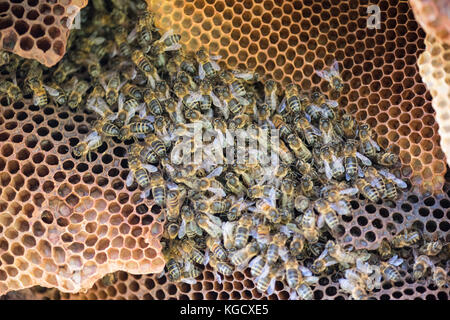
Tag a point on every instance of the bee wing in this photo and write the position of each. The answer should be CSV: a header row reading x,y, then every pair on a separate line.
x,y
255,261
214,64
218,192
215,100
201,72
215,57
130,179
395,261
242,100
194,97
218,277
324,74
293,295
374,144
366,161
339,209
166,35
305,271
190,281
282,106
149,167
328,172
335,68
311,280
332,103
51,91
216,172
132,35
271,287
320,221
402,184
346,285
182,231
323,254
174,47
349,191
243,75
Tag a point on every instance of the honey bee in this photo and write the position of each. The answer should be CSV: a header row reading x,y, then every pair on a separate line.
x,y
276,248
89,144
389,269
234,81
322,262
189,226
367,145
291,269
271,89
327,215
185,97
291,99
421,265
327,132
127,110
432,248
334,167
303,289
212,206
210,224
297,244
367,190
338,200
356,291
139,171
173,269
439,277
279,123
109,279
348,126
4,58
234,184
132,91
190,275
332,76
216,249
266,281
392,181
156,145
308,225
351,157
34,82
153,103
387,159
385,249
242,231
57,93
171,230
63,71
143,30
143,63
220,267
137,128
241,257
112,87
228,234
144,152
298,147
158,188
344,257
405,239
207,65
120,37
267,208
376,180
78,90
307,130
168,42
257,266
307,187
12,91
187,247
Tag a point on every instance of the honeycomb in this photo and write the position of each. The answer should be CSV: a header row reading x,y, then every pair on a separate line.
x,y
37,29
65,224
383,88
434,17
289,40
434,66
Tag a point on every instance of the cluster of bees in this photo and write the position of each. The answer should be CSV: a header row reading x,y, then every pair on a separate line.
x,y
279,221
